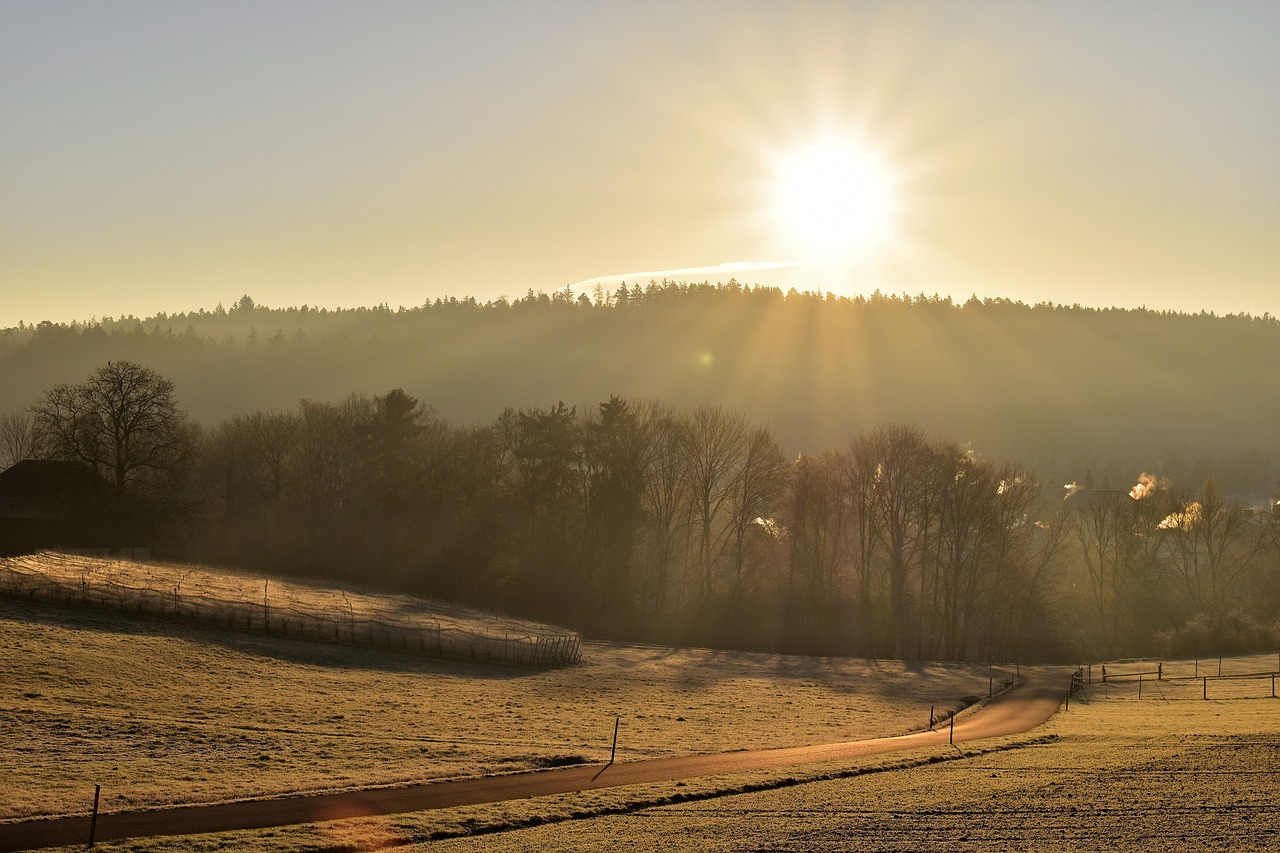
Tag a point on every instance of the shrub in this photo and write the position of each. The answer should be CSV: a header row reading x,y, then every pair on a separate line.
x,y
1218,633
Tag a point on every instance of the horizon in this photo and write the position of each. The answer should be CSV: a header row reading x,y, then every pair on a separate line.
x,y
160,158
228,306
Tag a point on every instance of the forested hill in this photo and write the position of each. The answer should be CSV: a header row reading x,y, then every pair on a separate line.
x,y
1065,389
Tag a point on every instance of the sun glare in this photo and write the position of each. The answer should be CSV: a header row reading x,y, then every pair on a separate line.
x,y
833,198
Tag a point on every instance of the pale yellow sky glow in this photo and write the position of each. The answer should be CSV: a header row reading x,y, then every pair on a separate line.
x,y
167,157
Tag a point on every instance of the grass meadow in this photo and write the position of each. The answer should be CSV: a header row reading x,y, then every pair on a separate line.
x,y
1105,775
163,713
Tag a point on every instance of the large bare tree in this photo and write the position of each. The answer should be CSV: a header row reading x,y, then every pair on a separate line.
x,y
123,420
1211,544
760,481
714,445
665,501
901,457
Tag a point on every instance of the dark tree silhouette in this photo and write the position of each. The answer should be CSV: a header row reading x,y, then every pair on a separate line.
x,y
714,446
1211,543
901,458
123,420
615,450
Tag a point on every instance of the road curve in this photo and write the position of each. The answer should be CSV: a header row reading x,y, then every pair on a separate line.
x,y
1020,709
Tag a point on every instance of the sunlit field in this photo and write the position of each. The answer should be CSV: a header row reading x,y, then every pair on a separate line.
x,y
283,606
269,715
161,713
1111,776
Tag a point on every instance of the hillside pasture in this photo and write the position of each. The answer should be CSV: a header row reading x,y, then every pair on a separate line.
x,y
286,607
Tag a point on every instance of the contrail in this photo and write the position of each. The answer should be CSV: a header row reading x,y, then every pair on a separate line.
x,y
729,267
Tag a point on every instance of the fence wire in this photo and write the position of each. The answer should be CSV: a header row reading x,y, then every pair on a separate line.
x,y
284,608
1233,677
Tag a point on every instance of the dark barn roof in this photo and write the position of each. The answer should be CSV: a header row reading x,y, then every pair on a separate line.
x,y
47,489
51,504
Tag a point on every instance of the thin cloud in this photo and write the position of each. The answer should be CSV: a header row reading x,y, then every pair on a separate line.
x,y
730,268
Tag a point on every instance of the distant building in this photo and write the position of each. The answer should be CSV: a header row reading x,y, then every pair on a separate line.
x,y
48,504
1148,508
1079,498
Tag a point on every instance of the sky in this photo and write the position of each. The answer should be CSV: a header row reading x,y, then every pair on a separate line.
x,y
159,156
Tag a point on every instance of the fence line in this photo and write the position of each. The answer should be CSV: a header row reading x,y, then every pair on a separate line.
x,y
1167,681
32,578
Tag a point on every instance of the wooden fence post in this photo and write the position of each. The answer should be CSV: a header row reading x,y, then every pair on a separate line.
x,y
931,707
1205,692
614,752
951,736
93,822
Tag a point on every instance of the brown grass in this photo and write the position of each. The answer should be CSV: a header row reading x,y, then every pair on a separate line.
x,y
1108,775
162,713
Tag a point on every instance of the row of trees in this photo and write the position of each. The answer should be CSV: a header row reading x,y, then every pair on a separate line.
x,y
1183,568
638,520
641,521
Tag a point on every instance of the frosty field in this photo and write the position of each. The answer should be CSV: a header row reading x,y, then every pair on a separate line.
x,y
1115,775
162,713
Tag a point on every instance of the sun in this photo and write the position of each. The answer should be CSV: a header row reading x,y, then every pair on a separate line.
x,y
833,197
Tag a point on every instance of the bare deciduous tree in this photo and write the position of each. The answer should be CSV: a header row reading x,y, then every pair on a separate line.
x,y
714,444
665,499
17,438
900,453
759,483
123,420
1210,545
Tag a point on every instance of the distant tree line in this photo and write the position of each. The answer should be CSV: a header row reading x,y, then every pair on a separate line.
x,y
1063,388
635,519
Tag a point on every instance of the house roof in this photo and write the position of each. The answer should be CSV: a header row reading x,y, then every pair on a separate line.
x,y
1089,497
50,489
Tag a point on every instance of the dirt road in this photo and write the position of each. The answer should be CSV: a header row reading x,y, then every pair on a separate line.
x,y
1018,710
